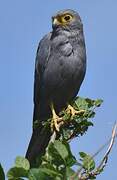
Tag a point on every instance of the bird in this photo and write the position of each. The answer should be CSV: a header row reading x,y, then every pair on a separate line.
x,y
60,68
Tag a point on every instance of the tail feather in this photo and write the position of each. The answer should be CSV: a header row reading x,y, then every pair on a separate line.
x,y
37,146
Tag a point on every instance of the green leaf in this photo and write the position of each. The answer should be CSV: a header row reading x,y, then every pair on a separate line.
x,y
58,156
86,103
2,175
70,174
98,102
45,172
70,160
82,154
64,151
22,162
61,149
88,163
35,174
93,177
81,103
16,179
50,172
90,102
17,172
52,156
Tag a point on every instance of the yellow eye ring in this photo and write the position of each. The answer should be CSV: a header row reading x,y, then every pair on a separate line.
x,y
66,18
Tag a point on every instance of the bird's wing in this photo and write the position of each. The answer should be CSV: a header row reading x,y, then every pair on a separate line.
x,y
40,136
42,56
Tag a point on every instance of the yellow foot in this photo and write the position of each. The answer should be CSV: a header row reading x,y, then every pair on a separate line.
x,y
73,112
56,120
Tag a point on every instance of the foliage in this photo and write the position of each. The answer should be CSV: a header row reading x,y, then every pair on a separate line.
x,y
2,175
58,161
78,125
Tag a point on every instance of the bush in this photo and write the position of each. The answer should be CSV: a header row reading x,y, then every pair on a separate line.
x,y
58,161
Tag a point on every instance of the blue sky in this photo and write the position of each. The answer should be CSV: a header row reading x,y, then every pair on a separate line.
x,y
22,25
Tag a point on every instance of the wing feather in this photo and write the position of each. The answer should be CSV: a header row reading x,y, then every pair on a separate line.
x,y
42,57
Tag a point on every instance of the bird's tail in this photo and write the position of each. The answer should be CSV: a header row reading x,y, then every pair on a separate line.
x,y
37,146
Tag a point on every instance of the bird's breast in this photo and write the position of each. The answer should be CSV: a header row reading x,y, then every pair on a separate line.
x,y
63,73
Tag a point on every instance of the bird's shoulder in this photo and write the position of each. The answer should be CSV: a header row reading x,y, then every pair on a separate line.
x,y
52,45
43,51
40,63
61,44
45,41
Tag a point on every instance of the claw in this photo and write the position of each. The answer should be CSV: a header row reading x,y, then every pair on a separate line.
x,y
73,112
56,120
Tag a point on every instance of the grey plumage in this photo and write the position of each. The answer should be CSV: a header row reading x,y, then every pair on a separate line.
x,y
59,71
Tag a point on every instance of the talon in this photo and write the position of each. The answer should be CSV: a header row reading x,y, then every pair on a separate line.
x,y
73,112
56,120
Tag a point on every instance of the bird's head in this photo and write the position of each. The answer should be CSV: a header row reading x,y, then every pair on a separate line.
x,y
66,19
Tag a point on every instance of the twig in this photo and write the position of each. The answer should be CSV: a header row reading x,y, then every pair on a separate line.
x,y
83,175
53,137
104,160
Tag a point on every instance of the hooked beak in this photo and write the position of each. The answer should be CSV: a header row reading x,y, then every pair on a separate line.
x,y
55,22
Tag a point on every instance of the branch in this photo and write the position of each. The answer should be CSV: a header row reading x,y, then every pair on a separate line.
x,y
105,158
85,176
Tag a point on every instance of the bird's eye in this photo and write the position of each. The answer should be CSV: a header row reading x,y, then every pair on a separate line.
x,y
66,18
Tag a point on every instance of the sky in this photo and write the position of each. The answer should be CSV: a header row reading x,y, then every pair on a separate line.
x,y
22,25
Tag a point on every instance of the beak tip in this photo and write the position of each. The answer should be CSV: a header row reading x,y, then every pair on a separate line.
x,y
54,21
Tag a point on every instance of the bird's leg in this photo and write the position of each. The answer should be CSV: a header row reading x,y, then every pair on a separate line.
x,y
56,120
72,111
